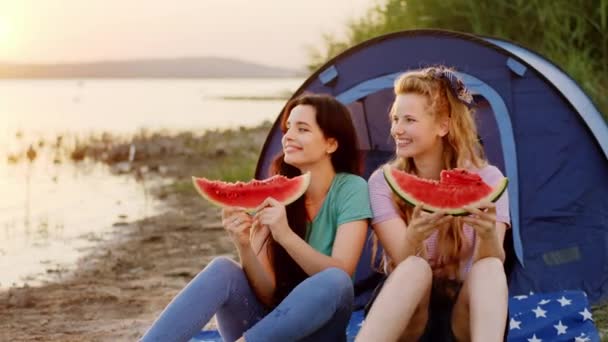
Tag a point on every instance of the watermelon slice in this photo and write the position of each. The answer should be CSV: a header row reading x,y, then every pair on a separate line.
x,y
456,189
251,194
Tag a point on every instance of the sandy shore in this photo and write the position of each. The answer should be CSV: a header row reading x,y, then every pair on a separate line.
x,y
120,286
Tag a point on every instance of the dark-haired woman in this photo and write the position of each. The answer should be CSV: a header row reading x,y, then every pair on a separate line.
x,y
294,280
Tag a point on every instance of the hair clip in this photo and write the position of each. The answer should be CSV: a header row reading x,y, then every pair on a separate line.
x,y
455,84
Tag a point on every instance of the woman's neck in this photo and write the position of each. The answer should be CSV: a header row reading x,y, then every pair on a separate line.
x,y
321,176
430,164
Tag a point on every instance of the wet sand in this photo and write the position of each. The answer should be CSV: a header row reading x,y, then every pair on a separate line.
x,y
121,286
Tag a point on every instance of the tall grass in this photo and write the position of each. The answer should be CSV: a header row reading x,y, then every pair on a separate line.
x,y
571,33
233,167
227,155
228,168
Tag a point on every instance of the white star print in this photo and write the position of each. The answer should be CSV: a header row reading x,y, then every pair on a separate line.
x,y
520,297
563,301
531,293
582,338
561,329
534,339
539,312
544,301
586,315
513,324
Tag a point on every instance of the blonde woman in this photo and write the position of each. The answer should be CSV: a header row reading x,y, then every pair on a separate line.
x,y
446,277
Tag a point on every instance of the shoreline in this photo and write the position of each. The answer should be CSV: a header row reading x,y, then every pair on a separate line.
x,y
121,285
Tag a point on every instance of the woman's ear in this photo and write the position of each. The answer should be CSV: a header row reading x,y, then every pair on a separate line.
x,y
332,146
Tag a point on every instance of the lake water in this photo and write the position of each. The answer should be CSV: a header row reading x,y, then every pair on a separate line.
x,y
51,212
130,104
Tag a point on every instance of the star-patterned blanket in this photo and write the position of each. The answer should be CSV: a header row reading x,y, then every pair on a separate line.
x,y
542,317
556,316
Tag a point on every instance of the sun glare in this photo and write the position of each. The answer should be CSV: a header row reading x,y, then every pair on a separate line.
x,y
8,38
4,31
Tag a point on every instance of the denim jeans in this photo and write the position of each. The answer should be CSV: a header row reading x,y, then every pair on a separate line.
x,y
318,309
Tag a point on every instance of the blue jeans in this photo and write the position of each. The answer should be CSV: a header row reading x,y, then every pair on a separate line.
x,y
318,309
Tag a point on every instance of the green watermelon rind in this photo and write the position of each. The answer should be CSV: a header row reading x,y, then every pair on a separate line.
x,y
498,190
304,179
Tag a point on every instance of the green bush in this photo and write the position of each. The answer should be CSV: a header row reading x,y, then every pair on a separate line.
x,y
571,33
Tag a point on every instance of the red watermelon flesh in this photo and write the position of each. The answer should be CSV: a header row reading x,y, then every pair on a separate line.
x,y
456,189
251,194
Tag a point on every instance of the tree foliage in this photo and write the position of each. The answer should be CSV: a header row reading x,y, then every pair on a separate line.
x,y
571,33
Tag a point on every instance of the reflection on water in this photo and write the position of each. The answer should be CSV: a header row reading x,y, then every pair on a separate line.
x,y
55,202
126,105
51,212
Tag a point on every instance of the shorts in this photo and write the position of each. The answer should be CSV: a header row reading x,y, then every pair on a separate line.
x,y
439,324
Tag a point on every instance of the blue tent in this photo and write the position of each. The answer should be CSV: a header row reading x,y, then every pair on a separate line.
x,y
537,126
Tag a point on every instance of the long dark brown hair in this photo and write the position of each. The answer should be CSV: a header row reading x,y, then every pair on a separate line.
x,y
335,122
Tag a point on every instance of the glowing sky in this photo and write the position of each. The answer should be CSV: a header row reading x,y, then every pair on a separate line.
x,y
274,32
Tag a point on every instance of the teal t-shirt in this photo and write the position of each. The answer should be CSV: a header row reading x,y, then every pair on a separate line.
x,y
346,201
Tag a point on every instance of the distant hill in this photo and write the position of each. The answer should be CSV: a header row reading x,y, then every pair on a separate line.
x,y
197,67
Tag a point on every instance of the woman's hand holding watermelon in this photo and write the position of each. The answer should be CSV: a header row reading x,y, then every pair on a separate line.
x,y
238,224
422,226
271,213
483,221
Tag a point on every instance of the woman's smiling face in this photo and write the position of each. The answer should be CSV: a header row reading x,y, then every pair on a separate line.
x,y
414,129
303,141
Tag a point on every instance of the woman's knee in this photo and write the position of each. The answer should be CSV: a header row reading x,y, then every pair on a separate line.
x,y
487,273
336,280
222,267
413,267
223,263
331,285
